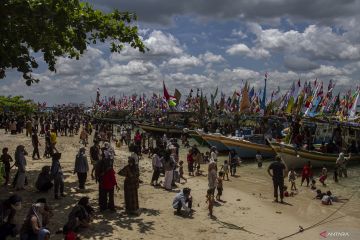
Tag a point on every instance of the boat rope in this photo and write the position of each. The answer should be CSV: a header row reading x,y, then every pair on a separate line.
x,y
323,221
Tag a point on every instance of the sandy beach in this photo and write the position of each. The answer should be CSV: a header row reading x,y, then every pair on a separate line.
x,y
246,213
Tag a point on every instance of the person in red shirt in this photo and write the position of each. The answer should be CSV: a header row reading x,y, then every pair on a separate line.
x,y
107,186
306,174
137,141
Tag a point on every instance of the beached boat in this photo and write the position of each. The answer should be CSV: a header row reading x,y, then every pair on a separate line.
x,y
214,139
294,158
247,149
170,131
196,135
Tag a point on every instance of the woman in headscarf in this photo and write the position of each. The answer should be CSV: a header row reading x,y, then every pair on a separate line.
x,y
81,167
43,182
32,228
20,163
169,165
131,185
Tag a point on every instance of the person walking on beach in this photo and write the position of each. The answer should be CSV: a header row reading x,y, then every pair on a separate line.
x,y
277,174
81,167
131,186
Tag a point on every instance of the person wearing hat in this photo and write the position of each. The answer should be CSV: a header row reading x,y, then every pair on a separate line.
x,y
81,167
57,174
183,200
131,185
278,174
8,210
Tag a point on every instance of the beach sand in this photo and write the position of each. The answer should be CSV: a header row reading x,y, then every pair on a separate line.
x,y
246,213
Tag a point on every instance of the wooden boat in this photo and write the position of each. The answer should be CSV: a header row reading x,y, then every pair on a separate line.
x,y
196,135
247,149
214,139
170,131
294,158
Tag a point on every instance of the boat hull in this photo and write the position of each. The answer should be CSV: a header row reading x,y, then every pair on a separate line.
x,y
160,130
298,158
214,140
246,149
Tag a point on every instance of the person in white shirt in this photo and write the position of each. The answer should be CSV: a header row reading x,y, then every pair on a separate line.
x,y
213,154
183,200
157,165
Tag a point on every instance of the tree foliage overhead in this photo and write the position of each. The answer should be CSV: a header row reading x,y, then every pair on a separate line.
x,y
16,104
58,28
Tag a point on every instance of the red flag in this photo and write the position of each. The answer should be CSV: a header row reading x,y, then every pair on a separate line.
x,y
166,94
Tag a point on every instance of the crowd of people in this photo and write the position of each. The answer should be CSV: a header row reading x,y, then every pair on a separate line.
x,y
166,161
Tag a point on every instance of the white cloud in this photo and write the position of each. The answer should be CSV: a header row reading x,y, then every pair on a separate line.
x,y
242,49
318,42
210,57
239,33
183,62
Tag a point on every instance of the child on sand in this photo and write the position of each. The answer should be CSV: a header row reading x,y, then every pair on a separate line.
x,y
220,185
288,194
259,159
313,184
326,200
190,161
323,175
181,171
292,178
225,170
210,201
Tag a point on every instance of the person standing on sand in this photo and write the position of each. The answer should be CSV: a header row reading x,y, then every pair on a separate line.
x,y
212,177
6,159
169,165
94,156
35,142
81,167
20,163
278,173
306,174
105,174
157,165
131,185
57,174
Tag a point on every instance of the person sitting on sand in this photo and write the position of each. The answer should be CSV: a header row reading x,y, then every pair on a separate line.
x,y
33,227
80,216
44,180
183,200
319,194
313,184
326,199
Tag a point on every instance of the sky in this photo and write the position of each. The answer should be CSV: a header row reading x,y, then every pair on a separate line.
x,y
208,44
